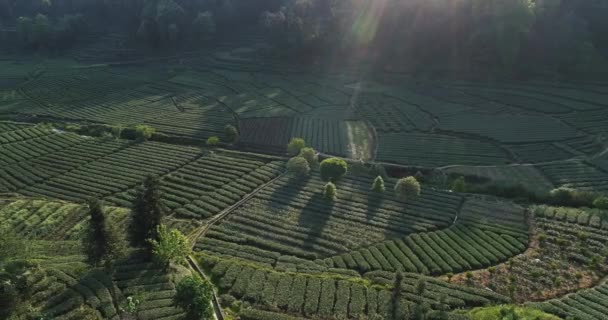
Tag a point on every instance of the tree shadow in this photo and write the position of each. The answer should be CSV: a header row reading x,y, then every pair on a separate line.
x,y
374,201
288,192
316,226
99,287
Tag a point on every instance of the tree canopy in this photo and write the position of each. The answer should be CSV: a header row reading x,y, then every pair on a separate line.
x,y
194,295
147,213
298,166
515,37
407,188
333,168
171,246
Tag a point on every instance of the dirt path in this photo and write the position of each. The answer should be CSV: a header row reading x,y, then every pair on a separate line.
x,y
361,148
200,232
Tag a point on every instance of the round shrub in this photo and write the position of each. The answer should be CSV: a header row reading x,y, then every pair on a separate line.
x,y
330,192
213,141
310,155
194,295
407,188
295,146
227,300
601,203
298,166
144,132
333,169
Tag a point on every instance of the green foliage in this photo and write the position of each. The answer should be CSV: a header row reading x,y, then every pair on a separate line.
x,y
508,312
171,246
407,188
24,29
161,20
194,294
96,239
231,133
144,132
213,141
510,23
41,30
571,197
298,166
68,28
601,203
102,242
147,213
11,245
396,294
117,131
301,23
310,155
330,192
131,305
459,185
295,145
9,297
378,185
333,169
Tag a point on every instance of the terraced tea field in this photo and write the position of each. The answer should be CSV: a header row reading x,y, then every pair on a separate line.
x,y
271,243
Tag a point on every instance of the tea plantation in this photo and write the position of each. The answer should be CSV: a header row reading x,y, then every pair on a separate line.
x,y
509,208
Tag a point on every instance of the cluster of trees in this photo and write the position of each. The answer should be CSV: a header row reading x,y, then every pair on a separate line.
x,y
518,36
303,158
165,22
230,132
562,196
463,35
159,23
40,32
103,244
333,169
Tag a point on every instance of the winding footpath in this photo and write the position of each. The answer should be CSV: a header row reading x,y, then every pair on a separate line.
x,y
202,230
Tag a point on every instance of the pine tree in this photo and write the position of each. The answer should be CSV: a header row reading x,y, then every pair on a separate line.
x,y
396,296
96,240
103,242
422,308
148,212
378,185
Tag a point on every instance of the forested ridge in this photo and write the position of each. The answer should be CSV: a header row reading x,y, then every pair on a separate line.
x,y
511,37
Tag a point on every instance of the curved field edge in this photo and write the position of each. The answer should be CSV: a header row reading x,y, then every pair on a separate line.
x,y
325,294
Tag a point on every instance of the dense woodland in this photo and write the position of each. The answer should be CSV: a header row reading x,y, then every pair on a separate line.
x,y
513,37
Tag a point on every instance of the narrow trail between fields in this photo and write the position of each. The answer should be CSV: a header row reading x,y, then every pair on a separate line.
x,y
202,230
